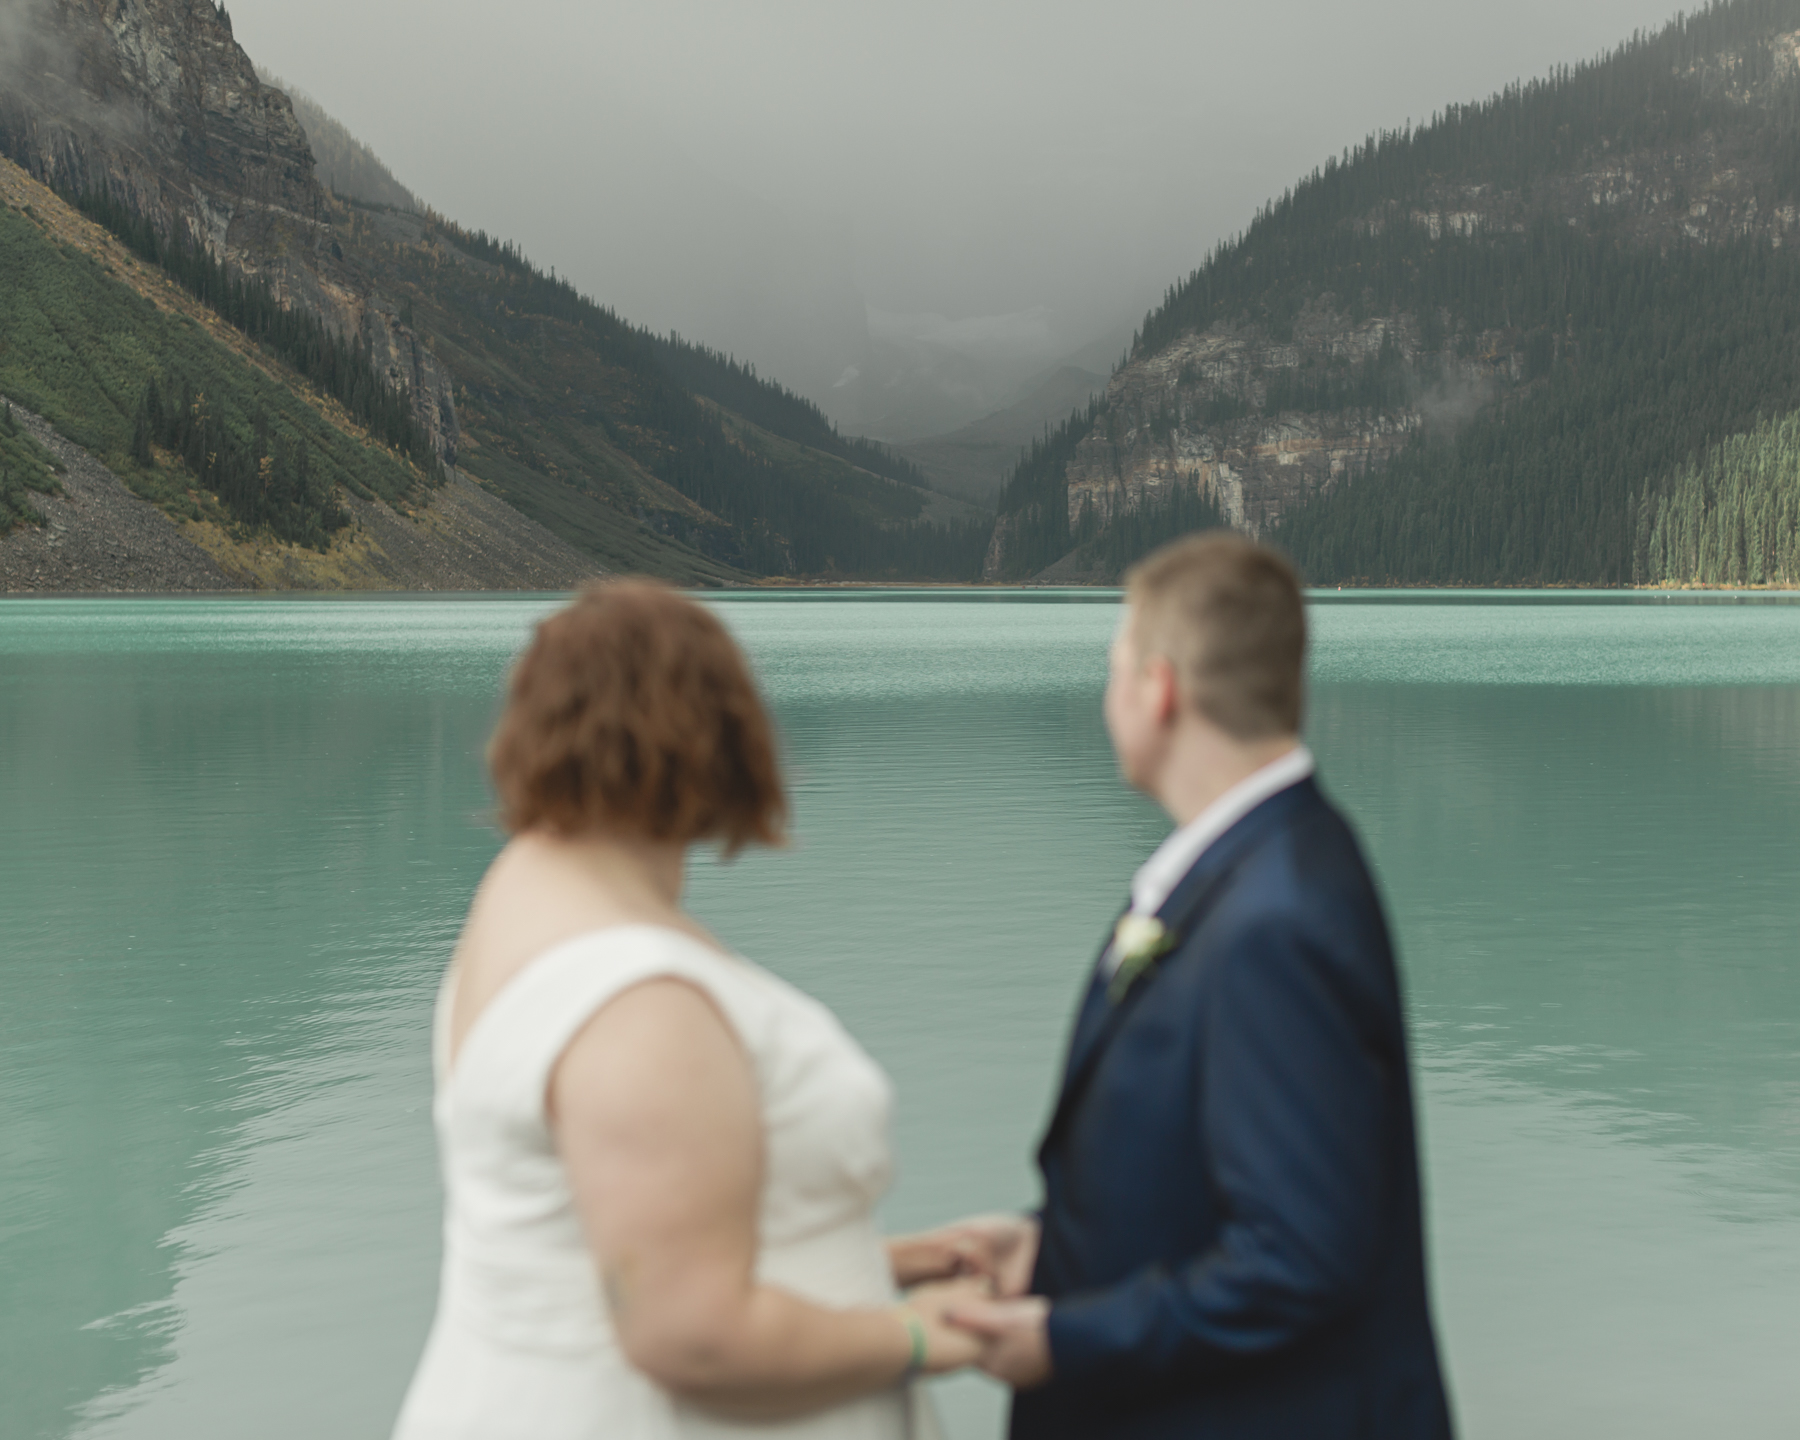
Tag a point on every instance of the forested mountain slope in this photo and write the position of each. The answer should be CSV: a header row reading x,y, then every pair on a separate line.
x,y
1489,350
614,436
269,474
646,453
1731,517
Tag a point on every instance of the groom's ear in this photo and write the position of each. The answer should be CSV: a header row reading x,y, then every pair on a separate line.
x,y
1165,688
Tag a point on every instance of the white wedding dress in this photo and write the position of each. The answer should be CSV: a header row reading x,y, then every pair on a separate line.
x,y
522,1347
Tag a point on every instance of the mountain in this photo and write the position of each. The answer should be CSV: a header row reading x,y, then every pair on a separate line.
x,y
972,462
445,351
154,446
1502,348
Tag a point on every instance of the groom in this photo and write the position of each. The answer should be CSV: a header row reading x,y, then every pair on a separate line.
x,y
1230,1243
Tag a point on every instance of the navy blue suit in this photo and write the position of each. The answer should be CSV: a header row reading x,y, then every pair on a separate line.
x,y
1232,1240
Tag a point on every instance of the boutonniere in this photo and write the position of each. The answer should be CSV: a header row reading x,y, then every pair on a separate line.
x,y
1140,941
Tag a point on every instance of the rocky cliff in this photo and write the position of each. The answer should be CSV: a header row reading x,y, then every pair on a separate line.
x,y
1157,433
155,102
1207,414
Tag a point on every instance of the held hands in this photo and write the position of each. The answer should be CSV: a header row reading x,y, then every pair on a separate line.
x,y
1001,1249
983,1316
946,1347
1014,1335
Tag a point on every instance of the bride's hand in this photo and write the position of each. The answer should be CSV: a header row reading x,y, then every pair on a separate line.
x,y
943,1254
947,1347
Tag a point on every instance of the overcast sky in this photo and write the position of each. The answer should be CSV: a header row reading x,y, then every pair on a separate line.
x,y
785,179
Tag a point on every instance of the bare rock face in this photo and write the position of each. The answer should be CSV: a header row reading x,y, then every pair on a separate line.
x,y
154,102
1159,432
1156,434
407,365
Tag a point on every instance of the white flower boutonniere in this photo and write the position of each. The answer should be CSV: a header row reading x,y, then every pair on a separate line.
x,y
1140,941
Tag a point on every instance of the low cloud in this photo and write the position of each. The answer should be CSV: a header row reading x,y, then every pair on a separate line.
x,y
1451,400
19,28
39,68
1023,332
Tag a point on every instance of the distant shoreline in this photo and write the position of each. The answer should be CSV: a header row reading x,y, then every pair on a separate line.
x,y
930,587
1777,589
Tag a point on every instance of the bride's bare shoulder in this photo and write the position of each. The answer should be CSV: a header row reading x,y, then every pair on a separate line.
x,y
539,892
505,891
525,904
525,865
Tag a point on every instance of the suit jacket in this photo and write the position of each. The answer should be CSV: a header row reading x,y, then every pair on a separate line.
x,y
1232,1239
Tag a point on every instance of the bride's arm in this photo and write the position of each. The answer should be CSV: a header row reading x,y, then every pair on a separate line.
x,y
657,1122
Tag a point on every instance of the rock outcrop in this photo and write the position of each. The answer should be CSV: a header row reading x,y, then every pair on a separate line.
x,y
1156,434
1161,428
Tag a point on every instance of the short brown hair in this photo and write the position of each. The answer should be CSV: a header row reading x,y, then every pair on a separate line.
x,y
634,710
1227,614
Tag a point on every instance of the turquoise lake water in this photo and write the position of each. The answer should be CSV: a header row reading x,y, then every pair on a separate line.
x,y
237,836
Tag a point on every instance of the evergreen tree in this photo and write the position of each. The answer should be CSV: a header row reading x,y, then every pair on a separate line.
x,y
263,480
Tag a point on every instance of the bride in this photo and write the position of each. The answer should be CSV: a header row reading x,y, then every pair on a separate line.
x,y
661,1162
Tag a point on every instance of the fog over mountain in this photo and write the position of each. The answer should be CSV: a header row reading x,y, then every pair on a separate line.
x,y
909,213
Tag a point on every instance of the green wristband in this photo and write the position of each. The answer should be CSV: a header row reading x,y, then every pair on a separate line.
x,y
915,1327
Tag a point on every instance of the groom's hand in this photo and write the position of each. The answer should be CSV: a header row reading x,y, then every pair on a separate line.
x,y
1016,1348
1008,1246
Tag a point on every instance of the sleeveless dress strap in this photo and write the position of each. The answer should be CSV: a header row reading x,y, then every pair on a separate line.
x,y
512,1048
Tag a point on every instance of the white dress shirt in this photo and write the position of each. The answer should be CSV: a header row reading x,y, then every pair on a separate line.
x,y
1157,878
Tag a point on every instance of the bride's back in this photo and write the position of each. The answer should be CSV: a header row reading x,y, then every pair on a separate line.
x,y
524,1342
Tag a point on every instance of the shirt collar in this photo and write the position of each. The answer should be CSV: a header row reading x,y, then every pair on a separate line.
x,y
1156,880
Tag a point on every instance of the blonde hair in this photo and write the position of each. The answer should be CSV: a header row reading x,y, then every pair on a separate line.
x,y
1227,614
